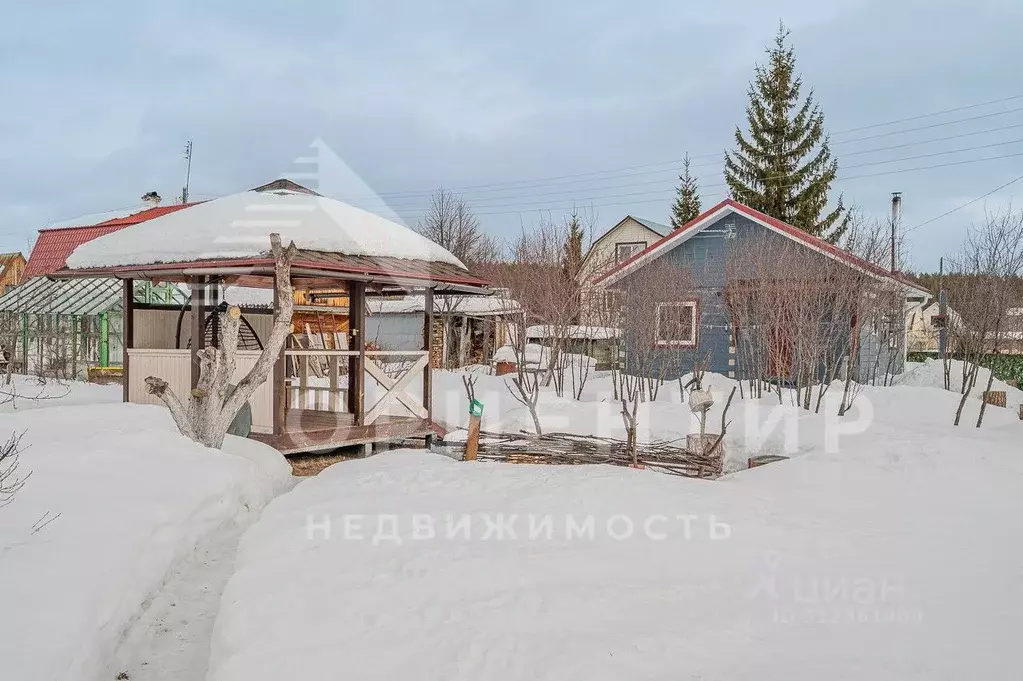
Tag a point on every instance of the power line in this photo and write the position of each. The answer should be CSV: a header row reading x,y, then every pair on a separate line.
x,y
932,125
484,202
931,115
660,199
968,203
627,170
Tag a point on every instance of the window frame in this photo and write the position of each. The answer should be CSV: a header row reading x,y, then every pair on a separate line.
x,y
660,342
618,244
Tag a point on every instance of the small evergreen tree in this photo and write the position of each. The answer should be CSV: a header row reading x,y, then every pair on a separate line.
x,y
572,257
784,167
687,199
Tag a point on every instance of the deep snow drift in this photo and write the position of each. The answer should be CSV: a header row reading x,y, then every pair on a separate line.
x,y
882,551
130,497
889,559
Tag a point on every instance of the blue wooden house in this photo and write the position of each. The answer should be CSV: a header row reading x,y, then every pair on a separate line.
x,y
703,322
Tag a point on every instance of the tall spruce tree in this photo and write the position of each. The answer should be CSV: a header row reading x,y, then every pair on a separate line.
x,y
784,166
687,197
572,257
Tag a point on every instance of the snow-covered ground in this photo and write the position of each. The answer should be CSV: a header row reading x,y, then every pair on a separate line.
x,y
29,392
881,551
127,499
931,373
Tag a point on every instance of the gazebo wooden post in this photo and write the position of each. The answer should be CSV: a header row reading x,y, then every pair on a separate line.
x,y
198,287
213,299
428,370
127,335
356,342
280,393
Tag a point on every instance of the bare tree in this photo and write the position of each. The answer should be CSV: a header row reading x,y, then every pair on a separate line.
x,y
11,479
526,381
982,289
548,293
206,415
450,222
661,318
798,317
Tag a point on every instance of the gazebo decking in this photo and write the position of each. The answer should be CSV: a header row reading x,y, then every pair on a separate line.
x,y
310,430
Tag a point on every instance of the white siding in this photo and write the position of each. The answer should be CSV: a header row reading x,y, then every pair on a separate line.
x,y
174,366
602,257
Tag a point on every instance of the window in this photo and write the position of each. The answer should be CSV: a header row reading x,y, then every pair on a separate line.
x,y
675,324
626,249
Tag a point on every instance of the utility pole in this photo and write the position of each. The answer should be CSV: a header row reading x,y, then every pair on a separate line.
x,y
942,309
188,171
896,209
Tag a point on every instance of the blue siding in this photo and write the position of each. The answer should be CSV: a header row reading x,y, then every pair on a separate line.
x,y
705,255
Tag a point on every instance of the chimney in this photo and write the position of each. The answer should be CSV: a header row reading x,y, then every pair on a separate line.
x,y
896,210
151,199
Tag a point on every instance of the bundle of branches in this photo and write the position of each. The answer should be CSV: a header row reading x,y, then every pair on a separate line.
x,y
569,449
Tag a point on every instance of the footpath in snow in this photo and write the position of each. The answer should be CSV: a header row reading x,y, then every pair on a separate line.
x,y
133,505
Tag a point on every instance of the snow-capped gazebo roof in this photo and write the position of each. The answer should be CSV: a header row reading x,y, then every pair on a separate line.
x,y
332,237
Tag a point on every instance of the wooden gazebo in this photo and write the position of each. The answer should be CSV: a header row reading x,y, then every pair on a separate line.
x,y
340,248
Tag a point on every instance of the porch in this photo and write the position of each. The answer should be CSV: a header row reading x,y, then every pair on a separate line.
x,y
317,398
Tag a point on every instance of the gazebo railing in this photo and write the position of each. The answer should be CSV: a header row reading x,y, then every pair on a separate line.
x,y
394,371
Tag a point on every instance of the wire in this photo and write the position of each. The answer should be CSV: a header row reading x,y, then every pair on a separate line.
x,y
968,203
586,202
672,170
488,201
930,115
627,170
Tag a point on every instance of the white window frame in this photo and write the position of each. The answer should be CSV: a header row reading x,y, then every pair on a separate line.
x,y
671,343
639,247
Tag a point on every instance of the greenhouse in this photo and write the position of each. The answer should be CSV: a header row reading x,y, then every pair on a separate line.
x,y
71,328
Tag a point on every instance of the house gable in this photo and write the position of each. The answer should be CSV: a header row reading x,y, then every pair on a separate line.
x,y
706,222
629,233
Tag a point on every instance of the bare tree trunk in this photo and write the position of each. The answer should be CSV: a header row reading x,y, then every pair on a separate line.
x,y
209,410
967,387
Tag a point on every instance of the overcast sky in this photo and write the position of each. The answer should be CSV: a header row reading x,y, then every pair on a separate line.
x,y
99,101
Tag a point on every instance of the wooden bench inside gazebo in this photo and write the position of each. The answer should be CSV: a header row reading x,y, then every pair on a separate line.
x,y
317,398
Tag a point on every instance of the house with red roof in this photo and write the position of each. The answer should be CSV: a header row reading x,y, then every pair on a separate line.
x,y
54,245
68,328
703,321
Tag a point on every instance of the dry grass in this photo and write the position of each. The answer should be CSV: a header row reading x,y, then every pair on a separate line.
x,y
303,465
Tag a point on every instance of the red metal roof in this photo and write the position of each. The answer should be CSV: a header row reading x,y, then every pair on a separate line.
x,y
53,246
789,230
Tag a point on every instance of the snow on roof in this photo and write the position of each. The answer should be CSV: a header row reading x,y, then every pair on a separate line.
x,y
94,218
55,244
573,332
244,296
239,225
473,306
